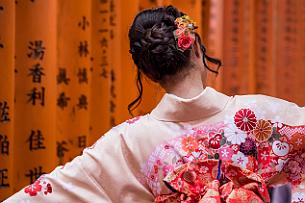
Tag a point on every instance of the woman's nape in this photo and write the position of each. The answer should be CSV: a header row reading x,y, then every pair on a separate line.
x,y
192,80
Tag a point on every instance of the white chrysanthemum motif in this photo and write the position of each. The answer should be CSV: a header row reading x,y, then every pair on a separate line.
x,y
240,159
234,135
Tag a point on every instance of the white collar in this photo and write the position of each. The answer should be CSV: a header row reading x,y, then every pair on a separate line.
x,y
173,108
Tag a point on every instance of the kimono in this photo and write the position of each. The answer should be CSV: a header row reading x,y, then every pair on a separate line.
x,y
210,148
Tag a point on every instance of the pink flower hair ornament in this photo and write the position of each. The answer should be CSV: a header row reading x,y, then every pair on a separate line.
x,y
184,34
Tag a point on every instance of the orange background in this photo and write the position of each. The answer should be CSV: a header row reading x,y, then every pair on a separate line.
x,y
88,78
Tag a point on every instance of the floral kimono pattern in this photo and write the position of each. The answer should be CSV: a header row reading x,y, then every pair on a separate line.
x,y
271,152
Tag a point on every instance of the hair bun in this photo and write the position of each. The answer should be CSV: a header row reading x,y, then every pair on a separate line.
x,y
170,10
153,43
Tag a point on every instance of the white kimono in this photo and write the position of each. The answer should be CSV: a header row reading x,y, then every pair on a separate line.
x,y
141,159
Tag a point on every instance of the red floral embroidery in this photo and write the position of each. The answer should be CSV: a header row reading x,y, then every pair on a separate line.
x,y
215,141
49,189
39,186
245,119
33,189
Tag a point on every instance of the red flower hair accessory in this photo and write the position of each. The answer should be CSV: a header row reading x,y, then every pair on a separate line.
x,y
184,34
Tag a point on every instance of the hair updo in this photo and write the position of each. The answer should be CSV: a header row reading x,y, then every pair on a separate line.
x,y
153,47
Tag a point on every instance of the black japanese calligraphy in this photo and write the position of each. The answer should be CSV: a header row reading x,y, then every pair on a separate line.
x,y
36,140
37,50
104,42
4,178
104,73
82,75
4,145
4,112
103,30
34,174
36,94
60,150
112,121
83,23
62,76
62,100
36,71
112,106
83,49
82,102
82,141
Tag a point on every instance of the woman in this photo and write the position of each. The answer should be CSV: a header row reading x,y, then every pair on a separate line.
x,y
197,145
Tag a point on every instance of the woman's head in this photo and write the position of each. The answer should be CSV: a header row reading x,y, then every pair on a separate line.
x,y
154,48
152,43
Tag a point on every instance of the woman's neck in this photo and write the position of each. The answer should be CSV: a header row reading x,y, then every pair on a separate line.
x,y
188,86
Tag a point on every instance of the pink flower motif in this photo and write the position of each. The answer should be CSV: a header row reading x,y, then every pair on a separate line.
x,y
33,189
166,169
245,120
226,153
185,41
133,120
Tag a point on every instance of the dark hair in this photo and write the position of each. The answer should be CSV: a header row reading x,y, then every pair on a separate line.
x,y
154,50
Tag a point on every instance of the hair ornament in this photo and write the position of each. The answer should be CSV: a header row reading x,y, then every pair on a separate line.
x,y
184,34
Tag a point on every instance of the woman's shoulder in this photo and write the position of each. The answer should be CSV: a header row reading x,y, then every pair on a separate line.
x,y
272,108
263,99
266,101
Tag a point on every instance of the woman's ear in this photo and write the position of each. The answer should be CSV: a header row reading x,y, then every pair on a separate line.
x,y
196,48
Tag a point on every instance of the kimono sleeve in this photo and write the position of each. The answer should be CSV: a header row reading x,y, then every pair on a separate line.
x,y
103,173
